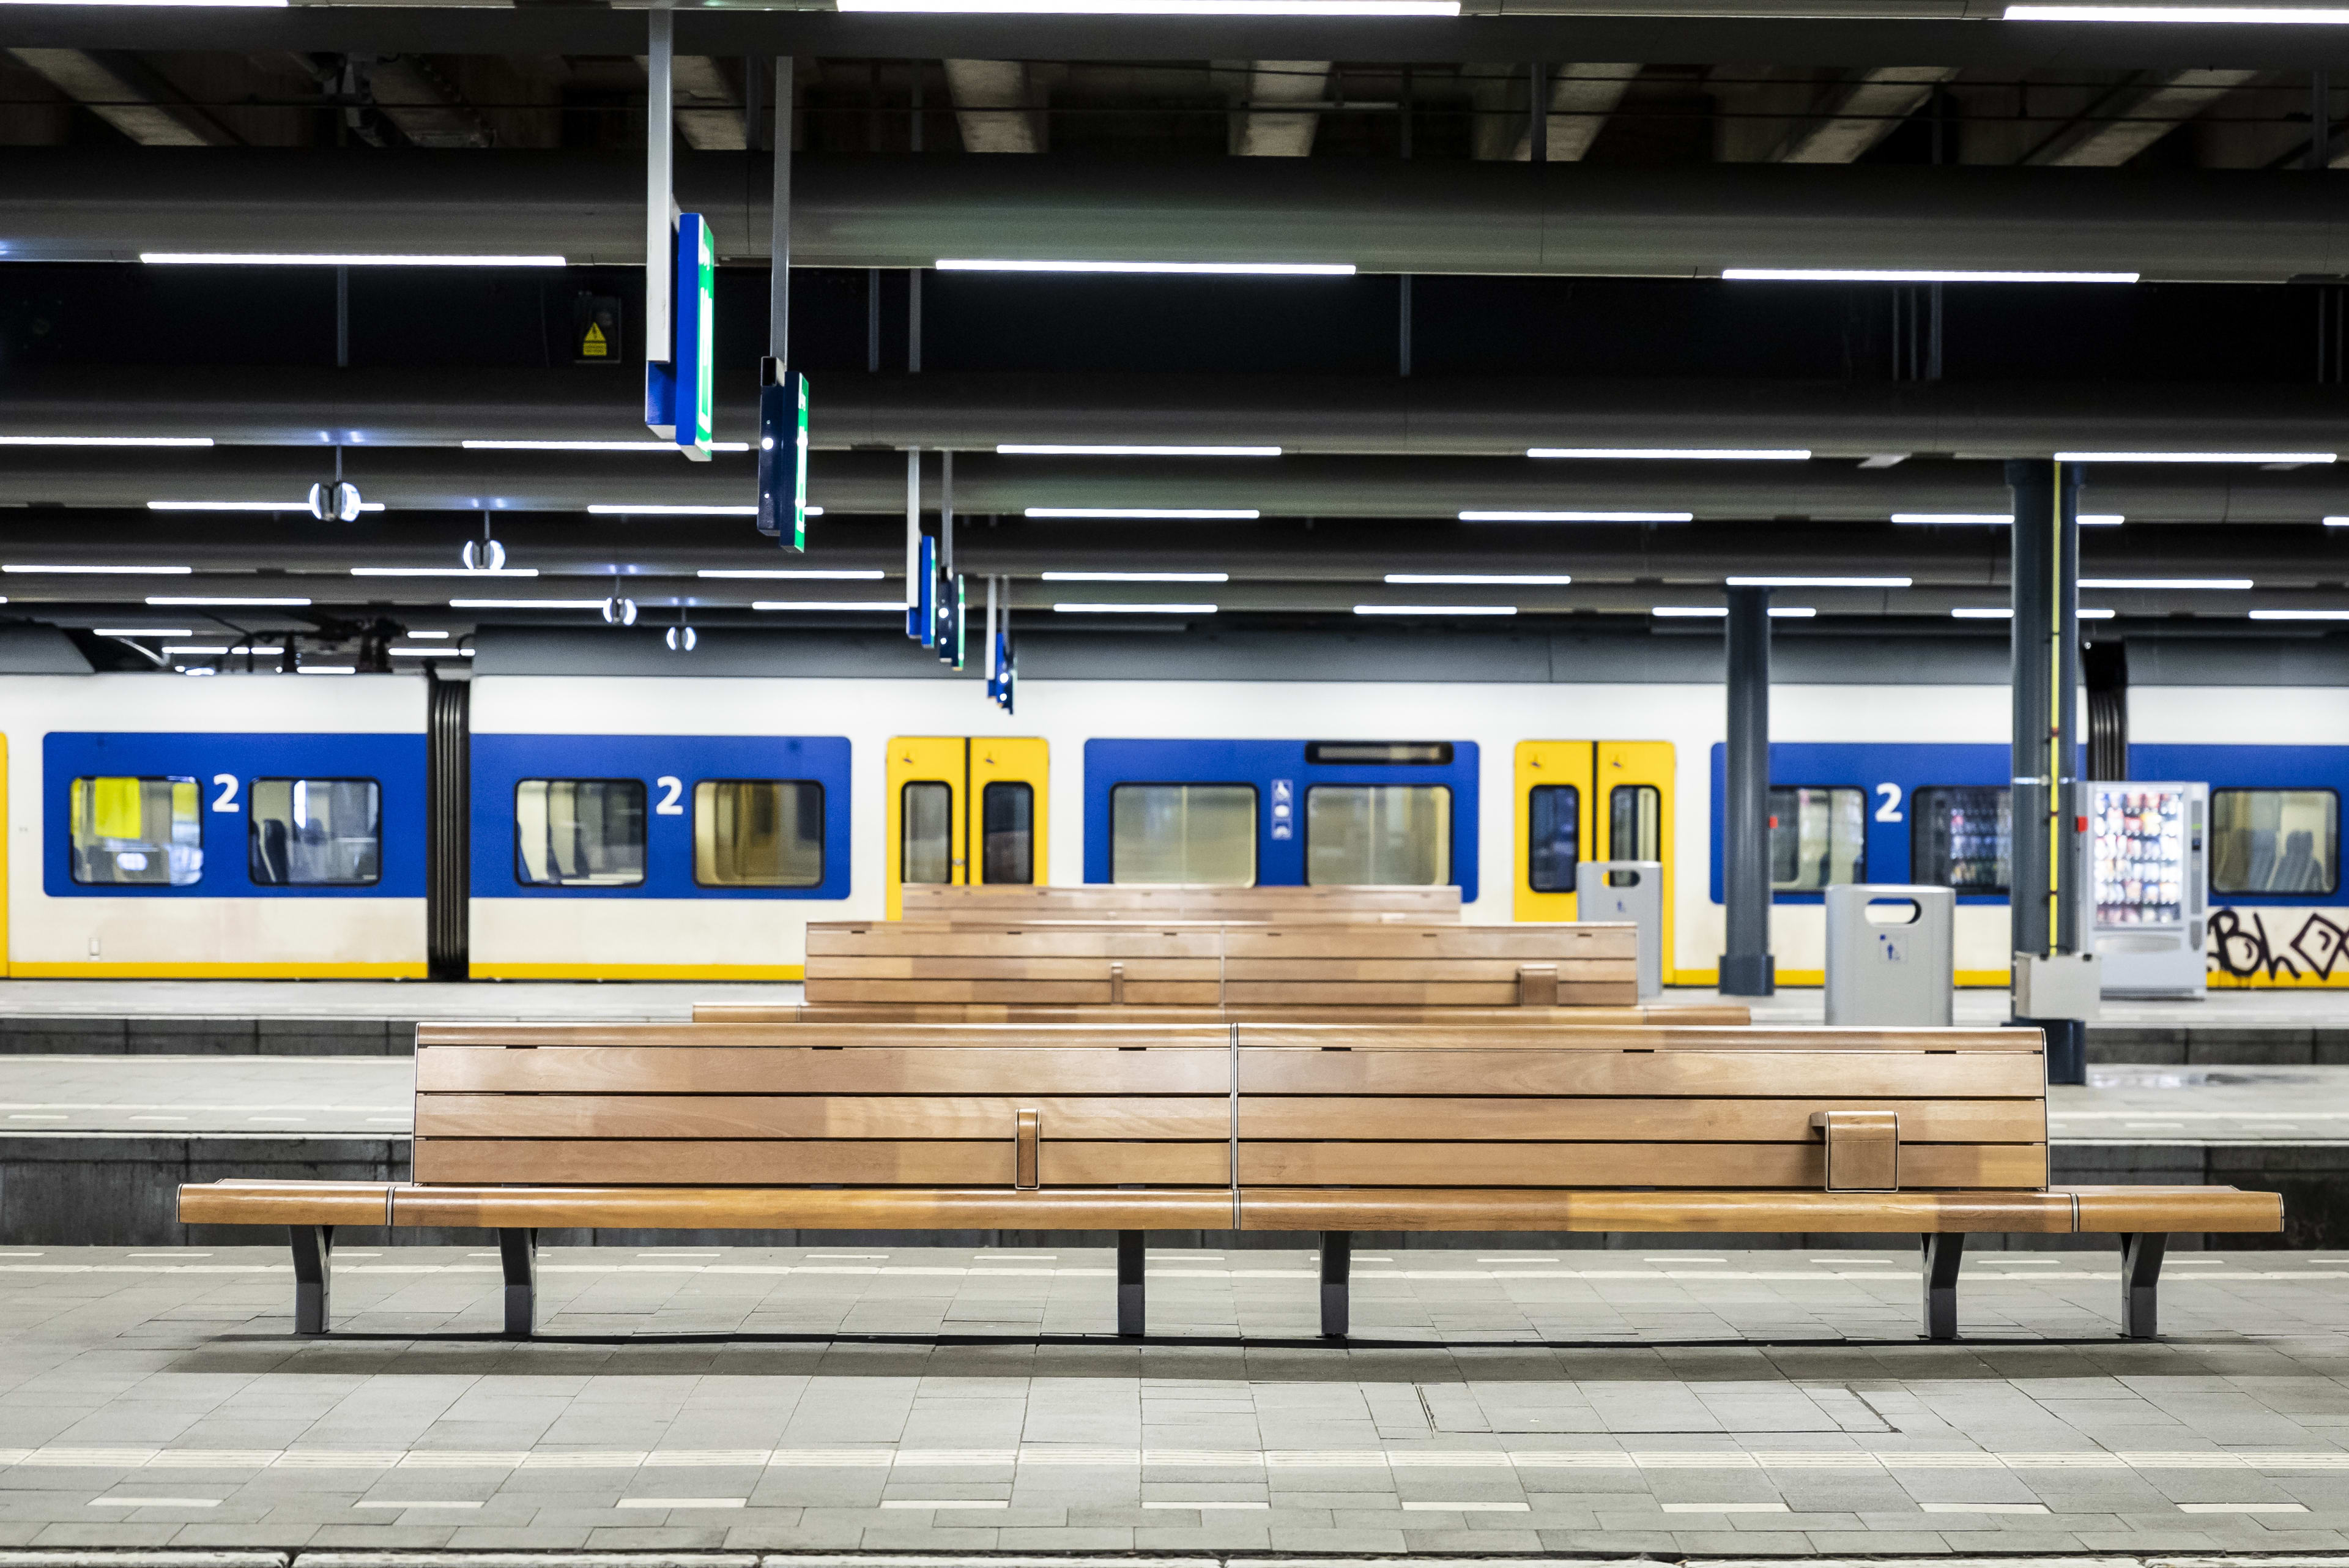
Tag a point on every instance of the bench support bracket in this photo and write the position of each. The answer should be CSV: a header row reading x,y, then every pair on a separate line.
x,y
1130,1255
1943,1252
2141,1284
314,1247
1337,1269
518,1253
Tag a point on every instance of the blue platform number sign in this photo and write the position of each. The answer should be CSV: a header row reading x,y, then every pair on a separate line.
x,y
692,383
783,460
1284,808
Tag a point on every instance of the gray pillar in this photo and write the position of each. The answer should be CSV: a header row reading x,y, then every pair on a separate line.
x,y
1747,968
2044,897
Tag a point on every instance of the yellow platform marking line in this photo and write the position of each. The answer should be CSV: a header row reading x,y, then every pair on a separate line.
x,y
770,971
110,971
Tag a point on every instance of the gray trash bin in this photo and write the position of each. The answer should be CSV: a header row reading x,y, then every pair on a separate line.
x,y
1892,958
1632,891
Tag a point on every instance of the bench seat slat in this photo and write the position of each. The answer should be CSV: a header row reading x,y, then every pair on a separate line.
x,y
286,1203
1666,1029
844,1209
1760,1120
1078,944
1759,1165
947,1034
936,966
724,1162
790,1069
817,1115
1618,993
2138,1210
1640,1074
1526,944
1557,1020
1700,1211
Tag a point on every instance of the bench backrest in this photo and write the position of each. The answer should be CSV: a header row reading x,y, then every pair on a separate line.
x,y
1245,1106
1279,965
995,902
1719,1015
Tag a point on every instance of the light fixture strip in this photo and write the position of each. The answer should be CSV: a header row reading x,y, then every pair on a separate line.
x,y
104,440
1136,576
1135,609
2296,457
1493,580
1577,516
1676,453
840,573
60,571
896,605
1807,582
1040,449
1173,513
1232,269
1913,274
2215,584
335,258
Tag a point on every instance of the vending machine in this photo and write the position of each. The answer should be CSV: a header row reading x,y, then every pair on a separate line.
x,y
2148,849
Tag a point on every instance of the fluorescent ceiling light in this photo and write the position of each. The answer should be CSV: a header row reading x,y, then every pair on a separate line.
x,y
1912,275
443,572
105,440
326,670
842,574
428,653
1435,609
1215,514
428,634
2301,615
896,605
1577,516
2098,614
1251,269
2303,15
171,647
152,1
668,446
1508,579
1777,612
1819,582
1970,612
159,601
2336,522
1137,576
1034,449
1679,453
2221,583
142,631
533,604
302,506
103,571
335,259
673,511
2290,457
1162,7
2005,519
1135,609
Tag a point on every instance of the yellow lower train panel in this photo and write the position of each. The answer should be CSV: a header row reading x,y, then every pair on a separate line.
x,y
639,972
101,971
1997,978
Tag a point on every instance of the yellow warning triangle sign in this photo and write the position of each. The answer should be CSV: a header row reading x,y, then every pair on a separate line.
x,y
594,346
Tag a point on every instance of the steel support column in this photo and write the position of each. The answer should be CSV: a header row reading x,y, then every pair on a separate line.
x,y
2044,902
1747,968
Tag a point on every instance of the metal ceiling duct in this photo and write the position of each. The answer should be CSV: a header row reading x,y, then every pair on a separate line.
x,y
1381,216
1493,416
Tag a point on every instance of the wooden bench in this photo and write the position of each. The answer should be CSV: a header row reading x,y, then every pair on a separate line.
x,y
911,962
996,903
1718,1015
1319,1129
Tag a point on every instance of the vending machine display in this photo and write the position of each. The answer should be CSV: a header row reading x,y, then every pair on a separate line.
x,y
2151,869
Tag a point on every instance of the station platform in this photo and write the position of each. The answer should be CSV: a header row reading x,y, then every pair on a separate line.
x,y
1720,1405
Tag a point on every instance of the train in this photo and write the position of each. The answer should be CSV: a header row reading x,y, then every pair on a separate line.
x,y
634,818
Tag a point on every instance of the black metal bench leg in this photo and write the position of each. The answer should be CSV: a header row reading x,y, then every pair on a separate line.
x,y
1943,1253
2141,1284
313,1275
1129,1284
1337,1265
518,1253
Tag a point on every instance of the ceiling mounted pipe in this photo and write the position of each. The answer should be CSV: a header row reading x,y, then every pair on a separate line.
x,y
1380,216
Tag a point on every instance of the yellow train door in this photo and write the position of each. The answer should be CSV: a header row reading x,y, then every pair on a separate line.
x,y
951,793
1591,800
5,825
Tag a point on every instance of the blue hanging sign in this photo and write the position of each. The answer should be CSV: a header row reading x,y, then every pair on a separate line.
x,y
680,399
783,459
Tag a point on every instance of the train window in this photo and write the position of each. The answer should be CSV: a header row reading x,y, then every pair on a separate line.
x,y
1817,838
758,833
1962,836
1635,823
579,833
1378,835
139,832
1200,835
926,828
1007,831
315,833
2274,840
1553,831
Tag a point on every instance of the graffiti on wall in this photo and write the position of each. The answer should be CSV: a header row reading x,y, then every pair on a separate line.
x,y
2241,946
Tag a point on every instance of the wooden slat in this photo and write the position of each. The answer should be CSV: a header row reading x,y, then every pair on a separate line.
x,y
624,1116
1187,993
1872,1075
1553,1019
828,941
788,1069
786,1207
951,966
285,1203
1475,1119
720,1162
1121,1032
1319,904
1423,970
1665,1032
1466,1209
1526,943
1306,994
1751,1164
2133,1210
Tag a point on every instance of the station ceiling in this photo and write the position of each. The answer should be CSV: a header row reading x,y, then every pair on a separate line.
x,y
1538,204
